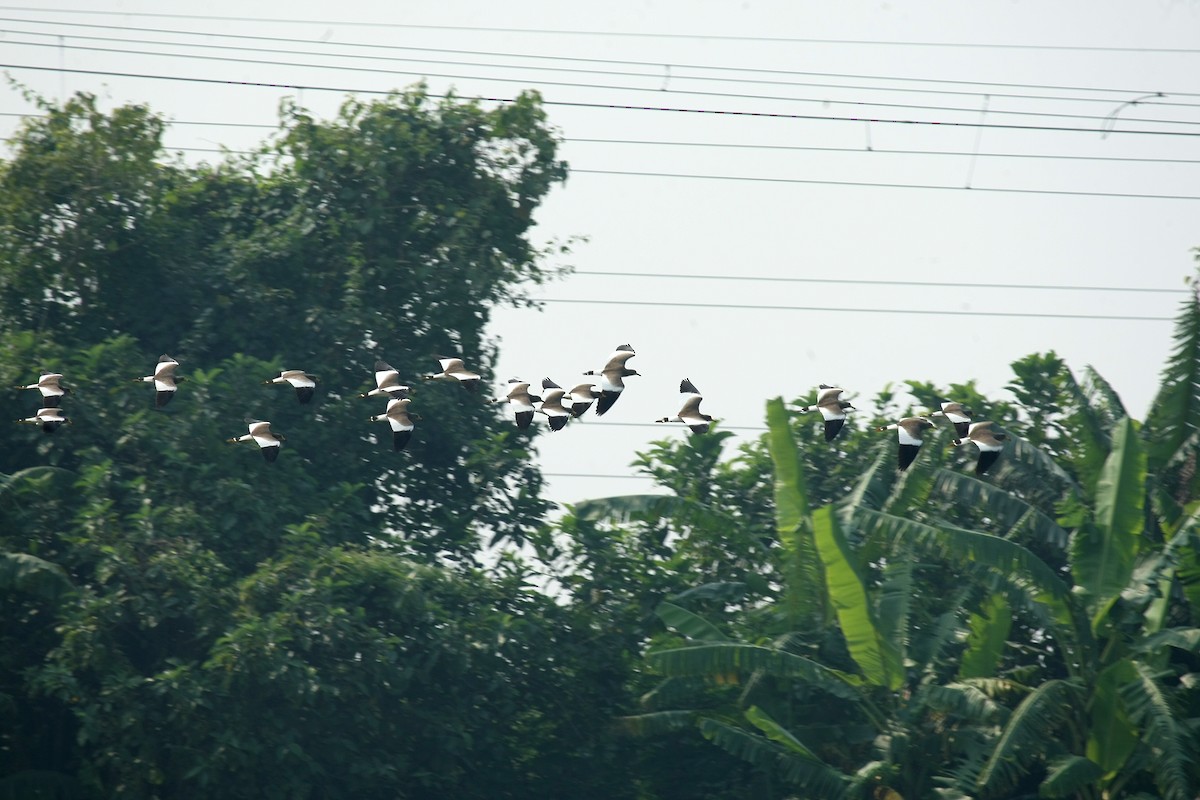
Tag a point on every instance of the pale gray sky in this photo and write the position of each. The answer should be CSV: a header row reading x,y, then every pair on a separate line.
x,y
1067,70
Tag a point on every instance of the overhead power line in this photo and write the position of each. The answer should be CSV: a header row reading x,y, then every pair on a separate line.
x,y
864,282
917,311
729,145
614,106
877,185
609,34
659,70
609,87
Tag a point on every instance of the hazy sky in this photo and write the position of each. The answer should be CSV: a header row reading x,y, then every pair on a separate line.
x,y
1041,109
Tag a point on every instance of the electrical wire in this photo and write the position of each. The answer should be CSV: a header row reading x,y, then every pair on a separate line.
x,y
609,34
609,106
729,145
917,311
863,282
656,74
608,87
876,185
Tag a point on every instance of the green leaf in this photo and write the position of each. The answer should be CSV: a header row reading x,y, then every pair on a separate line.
x,y
1111,734
814,777
657,722
987,638
1186,639
804,594
1004,507
693,626
1036,721
22,572
1175,413
879,661
727,662
1068,775
1172,745
776,732
1103,553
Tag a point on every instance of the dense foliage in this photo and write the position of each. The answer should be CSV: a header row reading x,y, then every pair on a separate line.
x,y
180,619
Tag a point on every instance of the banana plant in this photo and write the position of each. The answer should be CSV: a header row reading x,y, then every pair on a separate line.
x,y
853,699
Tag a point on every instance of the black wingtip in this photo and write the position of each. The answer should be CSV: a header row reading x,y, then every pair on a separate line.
x,y
304,394
832,428
908,454
986,459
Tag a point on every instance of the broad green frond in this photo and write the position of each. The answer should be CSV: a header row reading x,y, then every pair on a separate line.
x,y
804,593
776,732
970,546
1186,639
22,572
964,700
1069,774
895,603
1003,506
657,722
878,659
814,777
1175,412
728,662
623,508
1103,553
871,490
691,625
1172,744
1037,720
987,638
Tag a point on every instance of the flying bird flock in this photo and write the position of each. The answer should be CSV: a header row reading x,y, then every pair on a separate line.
x,y
558,405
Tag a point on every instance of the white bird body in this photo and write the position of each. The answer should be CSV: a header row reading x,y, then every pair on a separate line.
x,y
453,369
298,379
582,396
989,441
957,415
521,401
833,409
552,405
612,376
50,418
400,419
261,434
690,413
49,387
387,382
164,380
910,431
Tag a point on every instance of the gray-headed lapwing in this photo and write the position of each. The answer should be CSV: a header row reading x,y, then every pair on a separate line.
x,y
582,397
552,405
51,389
301,381
453,369
261,434
164,380
611,377
521,400
911,433
50,418
958,415
989,441
833,409
400,419
387,381
690,413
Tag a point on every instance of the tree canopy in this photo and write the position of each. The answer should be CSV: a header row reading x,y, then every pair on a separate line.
x,y
180,619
